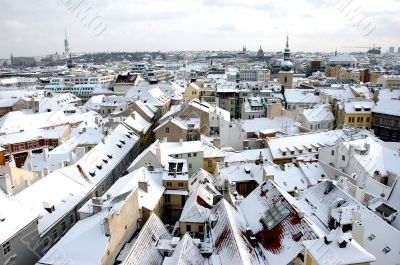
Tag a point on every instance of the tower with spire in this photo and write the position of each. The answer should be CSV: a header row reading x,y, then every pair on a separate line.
x,y
286,72
66,44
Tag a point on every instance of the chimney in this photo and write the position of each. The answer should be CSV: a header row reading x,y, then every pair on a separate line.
x,y
158,153
357,229
5,184
97,203
45,153
143,185
360,195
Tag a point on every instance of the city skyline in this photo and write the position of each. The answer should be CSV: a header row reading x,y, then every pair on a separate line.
x,y
166,25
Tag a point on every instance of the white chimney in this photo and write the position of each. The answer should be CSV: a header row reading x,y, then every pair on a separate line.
x,y
358,232
158,152
45,153
360,195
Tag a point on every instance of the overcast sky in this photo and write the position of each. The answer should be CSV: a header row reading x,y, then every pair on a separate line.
x,y
37,27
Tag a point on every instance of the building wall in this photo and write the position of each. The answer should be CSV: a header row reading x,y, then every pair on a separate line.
x,y
286,79
121,227
194,227
386,127
25,247
191,93
195,162
210,163
172,132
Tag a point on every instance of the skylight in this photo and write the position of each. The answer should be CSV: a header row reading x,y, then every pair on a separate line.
x,y
275,215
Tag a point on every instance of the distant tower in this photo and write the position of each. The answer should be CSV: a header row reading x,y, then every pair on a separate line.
x,y
286,72
66,44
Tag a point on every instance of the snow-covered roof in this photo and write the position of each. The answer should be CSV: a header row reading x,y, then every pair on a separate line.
x,y
174,148
281,242
318,114
241,172
332,253
343,58
378,234
66,187
301,96
304,142
227,232
361,107
144,250
288,176
197,206
186,252
137,123
280,124
186,124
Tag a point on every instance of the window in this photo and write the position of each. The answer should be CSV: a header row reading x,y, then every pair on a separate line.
x,y
45,243
71,219
55,234
209,163
167,130
6,248
386,250
188,228
332,152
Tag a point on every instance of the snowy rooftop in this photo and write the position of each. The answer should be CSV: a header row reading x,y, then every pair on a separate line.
x,y
144,250
332,253
318,114
280,237
377,235
280,124
66,187
229,236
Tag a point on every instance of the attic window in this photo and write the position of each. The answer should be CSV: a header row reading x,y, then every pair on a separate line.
x,y
386,250
371,237
50,209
